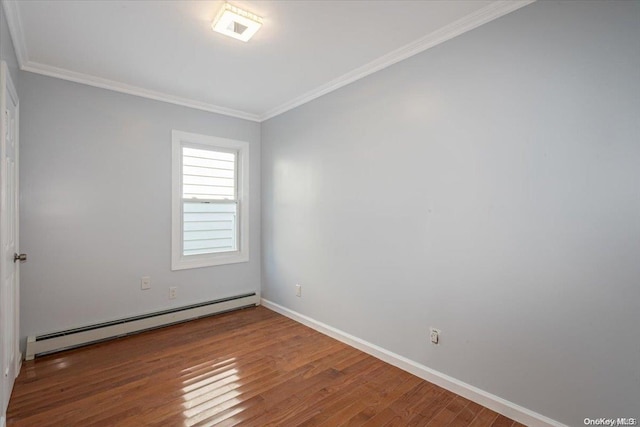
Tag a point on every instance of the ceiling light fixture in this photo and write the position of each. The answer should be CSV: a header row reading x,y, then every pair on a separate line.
x,y
237,23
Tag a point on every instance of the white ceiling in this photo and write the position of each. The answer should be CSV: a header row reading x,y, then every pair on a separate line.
x,y
166,49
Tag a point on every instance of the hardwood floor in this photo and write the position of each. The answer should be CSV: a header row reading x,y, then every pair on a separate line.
x,y
251,367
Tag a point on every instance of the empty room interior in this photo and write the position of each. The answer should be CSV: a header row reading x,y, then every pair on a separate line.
x,y
319,212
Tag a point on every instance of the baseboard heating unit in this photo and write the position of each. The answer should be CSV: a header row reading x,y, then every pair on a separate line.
x,y
64,340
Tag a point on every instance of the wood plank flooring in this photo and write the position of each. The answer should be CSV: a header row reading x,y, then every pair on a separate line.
x,y
251,367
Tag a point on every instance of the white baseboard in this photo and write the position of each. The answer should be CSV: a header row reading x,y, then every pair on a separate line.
x,y
3,422
19,364
481,397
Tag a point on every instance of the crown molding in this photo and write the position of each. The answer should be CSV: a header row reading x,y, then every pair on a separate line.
x,y
86,79
488,13
462,25
16,30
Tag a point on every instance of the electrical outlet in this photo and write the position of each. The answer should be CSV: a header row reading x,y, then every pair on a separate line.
x,y
434,335
173,291
298,290
145,282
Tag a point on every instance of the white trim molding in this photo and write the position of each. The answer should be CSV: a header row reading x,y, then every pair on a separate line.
x,y
481,397
16,30
86,79
488,13
462,25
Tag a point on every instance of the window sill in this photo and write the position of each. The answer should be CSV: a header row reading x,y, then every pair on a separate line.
x,y
184,263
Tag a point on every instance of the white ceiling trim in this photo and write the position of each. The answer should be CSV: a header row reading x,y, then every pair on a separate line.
x,y
65,74
17,35
467,23
462,25
15,29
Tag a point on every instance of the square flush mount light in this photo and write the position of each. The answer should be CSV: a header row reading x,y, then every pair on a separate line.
x,y
237,23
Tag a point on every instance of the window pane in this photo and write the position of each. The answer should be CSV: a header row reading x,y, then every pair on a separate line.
x,y
207,180
208,174
207,192
209,227
197,171
207,163
208,154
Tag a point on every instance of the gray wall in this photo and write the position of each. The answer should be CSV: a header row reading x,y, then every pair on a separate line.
x,y
6,48
489,187
96,205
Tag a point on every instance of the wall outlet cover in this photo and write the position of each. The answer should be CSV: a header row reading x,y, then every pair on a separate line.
x,y
434,335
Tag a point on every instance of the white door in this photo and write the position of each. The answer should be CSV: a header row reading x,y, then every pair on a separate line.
x,y
9,258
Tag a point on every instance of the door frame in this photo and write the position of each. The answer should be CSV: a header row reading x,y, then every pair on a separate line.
x,y
7,91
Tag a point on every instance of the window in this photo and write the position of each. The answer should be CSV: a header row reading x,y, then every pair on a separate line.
x,y
210,201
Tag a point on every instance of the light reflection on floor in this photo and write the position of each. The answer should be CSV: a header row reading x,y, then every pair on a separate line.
x,y
58,364
213,389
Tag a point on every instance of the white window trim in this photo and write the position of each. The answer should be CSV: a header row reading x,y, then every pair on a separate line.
x,y
178,260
